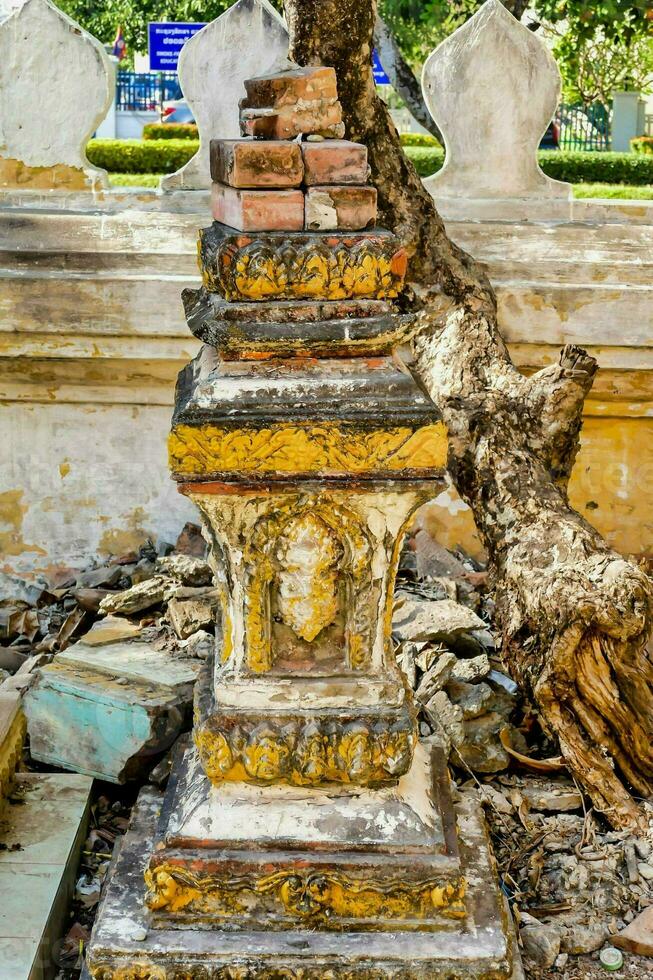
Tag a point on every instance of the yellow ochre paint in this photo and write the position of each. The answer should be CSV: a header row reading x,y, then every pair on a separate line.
x,y
308,448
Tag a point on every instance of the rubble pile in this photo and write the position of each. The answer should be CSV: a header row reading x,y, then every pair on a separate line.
x,y
575,887
163,593
447,652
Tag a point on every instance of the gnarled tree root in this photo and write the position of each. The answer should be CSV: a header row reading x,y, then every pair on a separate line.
x,y
574,615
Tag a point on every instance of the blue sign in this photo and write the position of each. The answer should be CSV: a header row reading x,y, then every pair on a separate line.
x,y
165,41
380,76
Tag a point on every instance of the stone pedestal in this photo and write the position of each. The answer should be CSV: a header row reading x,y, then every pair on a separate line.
x,y
305,833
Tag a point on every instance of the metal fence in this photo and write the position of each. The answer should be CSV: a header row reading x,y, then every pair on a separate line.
x,y
145,91
583,127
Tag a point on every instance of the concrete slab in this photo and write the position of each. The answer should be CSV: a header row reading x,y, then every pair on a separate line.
x,y
110,710
47,826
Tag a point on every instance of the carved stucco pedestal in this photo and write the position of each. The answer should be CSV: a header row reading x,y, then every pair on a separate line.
x,y
304,833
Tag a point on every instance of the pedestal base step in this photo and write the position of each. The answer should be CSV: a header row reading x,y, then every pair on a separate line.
x,y
124,945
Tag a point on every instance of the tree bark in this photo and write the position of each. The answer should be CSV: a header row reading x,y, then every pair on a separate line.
x,y
573,614
402,77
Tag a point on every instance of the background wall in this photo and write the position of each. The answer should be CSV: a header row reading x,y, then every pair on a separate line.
x,y
92,336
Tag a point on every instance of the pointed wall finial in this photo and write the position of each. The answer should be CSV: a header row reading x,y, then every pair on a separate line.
x,y
56,86
248,39
492,87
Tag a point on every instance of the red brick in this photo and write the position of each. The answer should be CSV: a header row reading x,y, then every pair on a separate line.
x,y
285,88
248,210
323,118
335,162
256,163
347,206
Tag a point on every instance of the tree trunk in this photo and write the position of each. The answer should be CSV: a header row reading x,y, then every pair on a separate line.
x,y
574,615
402,77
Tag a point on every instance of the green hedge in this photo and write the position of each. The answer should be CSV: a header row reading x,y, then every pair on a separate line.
x,y
605,168
642,144
426,159
141,156
418,139
170,131
165,156
600,168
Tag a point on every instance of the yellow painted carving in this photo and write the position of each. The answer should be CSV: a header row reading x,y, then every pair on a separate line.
x,y
348,557
352,754
305,895
259,271
10,752
309,448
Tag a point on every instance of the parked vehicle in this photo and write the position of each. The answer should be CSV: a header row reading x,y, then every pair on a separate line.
x,y
551,139
177,111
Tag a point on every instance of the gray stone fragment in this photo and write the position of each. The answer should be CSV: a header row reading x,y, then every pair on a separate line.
x,y
141,596
187,616
540,943
436,678
474,699
481,748
473,669
198,646
584,937
552,798
187,569
446,717
419,619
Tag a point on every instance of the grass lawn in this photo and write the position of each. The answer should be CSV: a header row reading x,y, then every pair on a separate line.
x,y
623,191
644,192
134,180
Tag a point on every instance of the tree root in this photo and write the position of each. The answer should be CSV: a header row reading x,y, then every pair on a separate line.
x,y
574,615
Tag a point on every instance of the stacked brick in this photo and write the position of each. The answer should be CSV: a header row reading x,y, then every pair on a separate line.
x,y
292,170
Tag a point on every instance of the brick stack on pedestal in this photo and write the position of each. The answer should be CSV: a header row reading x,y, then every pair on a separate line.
x,y
292,171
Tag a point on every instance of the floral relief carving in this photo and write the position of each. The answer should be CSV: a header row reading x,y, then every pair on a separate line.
x,y
371,268
307,753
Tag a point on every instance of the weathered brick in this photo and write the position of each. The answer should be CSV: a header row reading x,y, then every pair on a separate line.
x,y
249,210
323,118
289,87
256,163
335,162
347,206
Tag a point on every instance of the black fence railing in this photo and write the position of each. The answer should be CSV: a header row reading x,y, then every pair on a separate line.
x,y
145,91
583,127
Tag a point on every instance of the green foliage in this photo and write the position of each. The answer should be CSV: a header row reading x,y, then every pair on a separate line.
x,y
426,159
170,131
608,168
584,20
418,139
642,144
166,156
103,17
593,68
141,156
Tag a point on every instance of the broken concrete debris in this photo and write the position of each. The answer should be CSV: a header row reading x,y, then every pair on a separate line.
x,y
572,886
102,713
444,648
111,703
